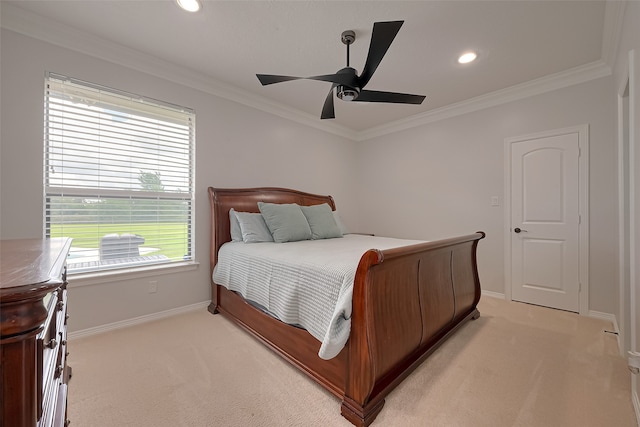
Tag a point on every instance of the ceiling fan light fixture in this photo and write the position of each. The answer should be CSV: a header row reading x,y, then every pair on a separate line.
x,y
347,93
467,57
189,5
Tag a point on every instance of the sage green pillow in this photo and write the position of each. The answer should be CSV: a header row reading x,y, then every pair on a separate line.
x,y
321,221
286,222
253,228
343,228
236,232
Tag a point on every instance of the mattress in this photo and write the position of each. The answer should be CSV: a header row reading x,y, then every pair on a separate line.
x,y
307,283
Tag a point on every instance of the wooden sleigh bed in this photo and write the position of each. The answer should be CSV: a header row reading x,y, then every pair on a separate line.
x,y
406,302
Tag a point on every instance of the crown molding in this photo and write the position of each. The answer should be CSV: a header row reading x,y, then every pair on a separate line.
x,y
611,33
33,25
27,23
538,86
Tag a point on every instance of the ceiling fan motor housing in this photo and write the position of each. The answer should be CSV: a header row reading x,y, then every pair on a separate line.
x,y
347,93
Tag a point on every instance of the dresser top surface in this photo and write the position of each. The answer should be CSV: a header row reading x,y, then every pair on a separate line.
x,y
31,263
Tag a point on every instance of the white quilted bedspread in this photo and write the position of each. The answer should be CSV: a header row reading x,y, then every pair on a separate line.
x,y
307,283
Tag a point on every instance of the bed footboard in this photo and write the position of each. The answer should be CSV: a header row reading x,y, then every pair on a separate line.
x,y
406,301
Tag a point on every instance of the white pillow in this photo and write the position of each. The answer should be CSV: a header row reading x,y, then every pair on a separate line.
x,y
253,227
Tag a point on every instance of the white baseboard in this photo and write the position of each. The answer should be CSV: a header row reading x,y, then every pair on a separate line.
x,y
604,316
492,294
614,322
137,320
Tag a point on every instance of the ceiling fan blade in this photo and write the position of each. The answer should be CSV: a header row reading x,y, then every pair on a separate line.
x,y
381,38
327,109
392,97
341,79
269,79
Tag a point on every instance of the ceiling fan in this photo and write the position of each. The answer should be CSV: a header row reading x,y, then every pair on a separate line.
x,y
350,85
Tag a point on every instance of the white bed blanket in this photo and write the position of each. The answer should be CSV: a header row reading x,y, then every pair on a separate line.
x,y
307,283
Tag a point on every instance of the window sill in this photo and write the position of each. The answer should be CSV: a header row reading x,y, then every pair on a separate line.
x,y
95,278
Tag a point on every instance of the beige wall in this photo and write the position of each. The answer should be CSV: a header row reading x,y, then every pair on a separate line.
x,y
427,182
237,146
440,179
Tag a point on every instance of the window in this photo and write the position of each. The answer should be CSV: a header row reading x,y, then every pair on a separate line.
x,y
118,173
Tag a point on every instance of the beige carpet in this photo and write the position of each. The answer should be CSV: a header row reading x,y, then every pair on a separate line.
x,y
518,365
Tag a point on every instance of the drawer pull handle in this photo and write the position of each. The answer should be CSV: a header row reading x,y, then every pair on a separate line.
x,y
52,343
60,305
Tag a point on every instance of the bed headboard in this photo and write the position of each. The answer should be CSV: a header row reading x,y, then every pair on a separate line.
x,y
246,200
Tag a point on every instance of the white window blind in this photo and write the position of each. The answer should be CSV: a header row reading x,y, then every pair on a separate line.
x,y
118,172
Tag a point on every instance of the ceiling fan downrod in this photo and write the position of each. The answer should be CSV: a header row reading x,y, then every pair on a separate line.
x,y
348,37
344,92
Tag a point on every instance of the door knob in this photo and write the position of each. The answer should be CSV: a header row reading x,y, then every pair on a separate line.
x,y
519,230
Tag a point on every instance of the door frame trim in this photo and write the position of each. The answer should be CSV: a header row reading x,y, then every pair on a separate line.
x,y
628,78
583,207
626,336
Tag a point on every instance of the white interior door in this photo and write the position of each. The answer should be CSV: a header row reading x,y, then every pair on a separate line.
x,y
545,219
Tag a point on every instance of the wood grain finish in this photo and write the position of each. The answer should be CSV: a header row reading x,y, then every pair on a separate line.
x,y
33,319
406,302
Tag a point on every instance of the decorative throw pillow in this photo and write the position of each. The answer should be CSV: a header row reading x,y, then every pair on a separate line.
x,y
321,221
341,226
286,222
236,232
253,227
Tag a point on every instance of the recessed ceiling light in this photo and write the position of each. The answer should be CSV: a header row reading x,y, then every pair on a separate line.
x,y
467,57
189,5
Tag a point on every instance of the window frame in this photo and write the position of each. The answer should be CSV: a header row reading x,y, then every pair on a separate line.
x,y
132,104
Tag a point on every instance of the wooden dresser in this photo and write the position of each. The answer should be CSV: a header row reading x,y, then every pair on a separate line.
x,y
33,332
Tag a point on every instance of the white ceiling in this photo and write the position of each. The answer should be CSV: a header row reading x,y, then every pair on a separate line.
x,y
228,42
